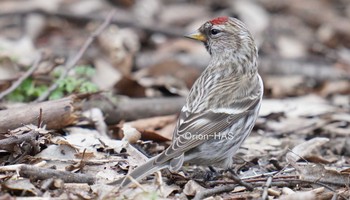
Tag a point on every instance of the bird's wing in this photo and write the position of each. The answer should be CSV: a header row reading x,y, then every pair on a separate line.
x,y
193,128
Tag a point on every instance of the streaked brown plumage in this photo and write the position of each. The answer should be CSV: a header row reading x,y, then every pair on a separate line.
x,y
222,106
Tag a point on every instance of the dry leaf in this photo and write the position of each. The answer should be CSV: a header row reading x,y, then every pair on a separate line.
x,y
305,149
130,134
192,187
151,128
125,83
318,173
308,195
21,185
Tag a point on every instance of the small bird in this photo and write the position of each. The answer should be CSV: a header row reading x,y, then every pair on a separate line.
x,y
222,105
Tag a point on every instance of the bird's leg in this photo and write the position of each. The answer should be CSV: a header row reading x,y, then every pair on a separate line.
x,y
212,174
239,181
205,175
212,169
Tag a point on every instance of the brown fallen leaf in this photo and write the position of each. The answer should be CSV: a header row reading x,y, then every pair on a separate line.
x,y
345,171
151,128
125,83
319,159
171,75
335,87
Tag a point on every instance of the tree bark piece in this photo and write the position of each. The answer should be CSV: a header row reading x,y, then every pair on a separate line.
x,y
56,114
116,109
319,70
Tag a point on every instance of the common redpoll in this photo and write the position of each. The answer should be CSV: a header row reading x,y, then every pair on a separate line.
x,y
222,106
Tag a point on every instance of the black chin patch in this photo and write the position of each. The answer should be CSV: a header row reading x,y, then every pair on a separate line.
x,y
207,47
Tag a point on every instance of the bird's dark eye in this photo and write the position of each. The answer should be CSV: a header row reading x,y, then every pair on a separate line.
x,y
214,31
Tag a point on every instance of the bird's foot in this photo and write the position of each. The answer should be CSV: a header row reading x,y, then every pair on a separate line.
x,y
205,176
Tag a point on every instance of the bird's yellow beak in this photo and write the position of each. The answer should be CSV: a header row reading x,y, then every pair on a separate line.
x,y
197,36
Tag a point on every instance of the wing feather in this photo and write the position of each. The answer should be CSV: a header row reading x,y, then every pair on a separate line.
x,y
197,129
208,123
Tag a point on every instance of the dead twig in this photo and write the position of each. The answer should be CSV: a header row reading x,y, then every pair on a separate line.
x,y
40,122
275,173
264,195
134,181
87,162
159,182
56,114
18,139
43,174
238,180
118,108
71,63
17,83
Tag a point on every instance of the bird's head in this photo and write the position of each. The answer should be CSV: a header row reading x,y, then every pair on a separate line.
x,y
226,36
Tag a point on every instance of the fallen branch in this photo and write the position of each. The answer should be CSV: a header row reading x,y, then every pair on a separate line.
x,y
18,139
266,187
72,63
320,70
116,109
19,81
239,181
56,114
39,173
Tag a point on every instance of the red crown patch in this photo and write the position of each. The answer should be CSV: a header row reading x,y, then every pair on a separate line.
x,y
219,20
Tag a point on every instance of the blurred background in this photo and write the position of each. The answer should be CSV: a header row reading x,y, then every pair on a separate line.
x,y
303,45
143,61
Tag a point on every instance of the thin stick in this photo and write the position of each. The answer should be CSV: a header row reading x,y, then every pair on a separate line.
x,y
287,170
159,182
39,173
266,187
238,180
17,83
9,168
136,182
40,122
71,63
18,139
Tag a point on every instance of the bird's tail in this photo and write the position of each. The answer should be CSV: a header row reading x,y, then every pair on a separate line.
x,y
140,172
